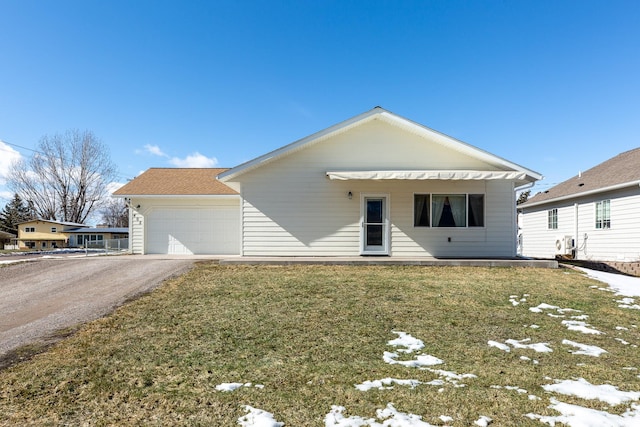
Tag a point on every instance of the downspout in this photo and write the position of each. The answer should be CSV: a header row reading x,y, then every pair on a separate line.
x,y
575,238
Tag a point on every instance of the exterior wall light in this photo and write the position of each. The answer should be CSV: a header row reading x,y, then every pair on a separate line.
x,y
350,195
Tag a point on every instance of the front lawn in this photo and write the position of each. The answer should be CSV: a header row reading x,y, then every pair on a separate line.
x,y
331,345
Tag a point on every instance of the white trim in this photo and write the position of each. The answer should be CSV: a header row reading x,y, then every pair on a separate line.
x,y
178,196
386,247
427,175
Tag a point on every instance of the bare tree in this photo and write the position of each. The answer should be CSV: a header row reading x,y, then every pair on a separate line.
x,y
66,180
115,213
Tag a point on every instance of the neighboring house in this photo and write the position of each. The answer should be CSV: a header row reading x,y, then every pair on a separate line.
x,y
44,234
95,236
376,184
6,239
592,216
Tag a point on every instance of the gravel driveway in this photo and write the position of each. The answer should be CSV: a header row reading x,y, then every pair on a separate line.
x,y
38,298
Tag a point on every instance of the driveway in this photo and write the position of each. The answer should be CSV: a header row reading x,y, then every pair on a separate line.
x,y
40,297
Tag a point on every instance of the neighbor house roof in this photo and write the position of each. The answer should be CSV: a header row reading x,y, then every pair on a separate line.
x,y
5,235
176,182
379,113
620,171
68,224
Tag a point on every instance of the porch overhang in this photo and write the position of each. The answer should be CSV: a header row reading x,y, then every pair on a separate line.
x,y
416,175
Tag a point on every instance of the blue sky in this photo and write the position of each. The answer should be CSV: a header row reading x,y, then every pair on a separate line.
x,y
551,85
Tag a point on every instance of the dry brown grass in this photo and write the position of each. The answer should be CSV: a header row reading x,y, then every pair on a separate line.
x,y
308,334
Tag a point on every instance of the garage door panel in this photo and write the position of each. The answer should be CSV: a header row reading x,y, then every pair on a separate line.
x,y
185,231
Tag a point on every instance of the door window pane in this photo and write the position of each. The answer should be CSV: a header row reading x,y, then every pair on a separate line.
x,y
374,211
374,235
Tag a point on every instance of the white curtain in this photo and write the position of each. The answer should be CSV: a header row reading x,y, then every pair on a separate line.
x,y
437,206
458,208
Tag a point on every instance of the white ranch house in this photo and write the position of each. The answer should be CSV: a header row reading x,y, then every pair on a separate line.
x,y
376,184
592,216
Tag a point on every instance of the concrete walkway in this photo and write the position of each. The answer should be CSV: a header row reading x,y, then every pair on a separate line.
x,y
362,260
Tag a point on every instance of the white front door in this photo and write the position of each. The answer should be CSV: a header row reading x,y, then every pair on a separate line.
x,y
375,225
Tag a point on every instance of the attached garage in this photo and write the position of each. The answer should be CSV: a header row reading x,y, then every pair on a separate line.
x,y
182,212
191,231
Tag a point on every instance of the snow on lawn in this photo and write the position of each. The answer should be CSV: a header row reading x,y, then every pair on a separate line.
x,y
580,326
622,285
386,384
585,390
234,386
541,347
389,416
587,350
579,416
421,361
258,418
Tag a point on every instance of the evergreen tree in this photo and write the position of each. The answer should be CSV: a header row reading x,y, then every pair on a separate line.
x,y
14,212
523,197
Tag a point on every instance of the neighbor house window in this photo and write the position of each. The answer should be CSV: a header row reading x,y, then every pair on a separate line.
x,y
54,229
29,229
420,210
603,214
552,215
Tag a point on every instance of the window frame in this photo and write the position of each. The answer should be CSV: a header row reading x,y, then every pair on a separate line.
x,y
552,219
430,210
427,206
603,215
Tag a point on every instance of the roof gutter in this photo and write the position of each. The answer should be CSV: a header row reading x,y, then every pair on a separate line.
x,y
586,193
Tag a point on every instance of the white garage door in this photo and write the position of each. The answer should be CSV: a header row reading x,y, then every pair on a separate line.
x,y
188,231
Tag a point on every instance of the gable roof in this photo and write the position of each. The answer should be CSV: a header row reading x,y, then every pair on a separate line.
x,y
379,113
620,171
176,182
67,224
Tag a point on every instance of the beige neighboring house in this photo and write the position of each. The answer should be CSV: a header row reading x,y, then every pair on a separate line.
x,y
44,234
375,184
593,216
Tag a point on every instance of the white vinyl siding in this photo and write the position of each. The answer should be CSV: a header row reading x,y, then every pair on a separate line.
x,y
619,243
291,208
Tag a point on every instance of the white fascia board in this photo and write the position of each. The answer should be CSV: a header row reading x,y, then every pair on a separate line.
x,y
178,196
578,195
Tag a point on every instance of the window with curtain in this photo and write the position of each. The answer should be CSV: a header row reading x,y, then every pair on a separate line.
x,y
603,214
449,210
421,210
476,210
552,219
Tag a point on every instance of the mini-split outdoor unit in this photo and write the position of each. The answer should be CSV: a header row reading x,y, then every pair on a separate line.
x,y
564,245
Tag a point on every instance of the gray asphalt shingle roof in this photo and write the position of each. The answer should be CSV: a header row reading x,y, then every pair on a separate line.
x,y
619,170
